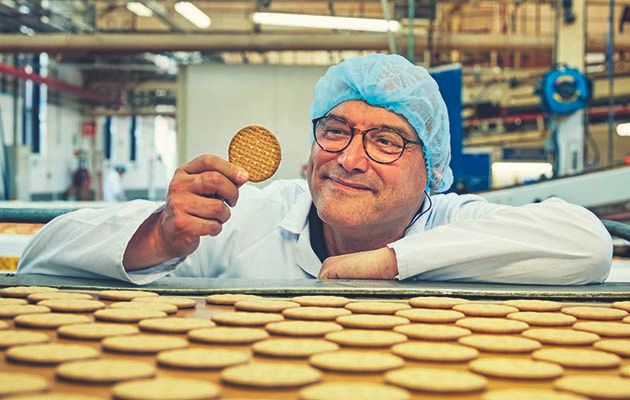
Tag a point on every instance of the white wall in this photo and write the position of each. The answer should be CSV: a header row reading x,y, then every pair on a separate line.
x,y
214,101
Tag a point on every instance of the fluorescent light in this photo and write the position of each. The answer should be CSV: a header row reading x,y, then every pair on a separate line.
x,y
623,129
326,22
139,9
189,11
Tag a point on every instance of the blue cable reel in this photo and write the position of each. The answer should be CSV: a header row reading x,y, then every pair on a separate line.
x,y
564,90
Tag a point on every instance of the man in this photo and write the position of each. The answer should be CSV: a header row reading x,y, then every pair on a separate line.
x,y
381,146
113,186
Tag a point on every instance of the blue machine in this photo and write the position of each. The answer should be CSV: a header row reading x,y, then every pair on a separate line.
x,y
564,90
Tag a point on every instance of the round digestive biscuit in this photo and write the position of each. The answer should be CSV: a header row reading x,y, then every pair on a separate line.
x,y
622,305
4,325
293,347
376,307
16,337
529,394
39,296
577,358
534,305
595,386
243,318
271,375
95,331
50,320
432,331
626,319
127,314
24,291
597,313
54,396
484,310
436,380
365,338
435,352
53,353
228,335
543,318
257,150
620,347
262,305
124,295
229,299
500,343
625,371
302,328
436,302
561,337
315,313
514,368
15,383
11,301
143,343
163,388
356,361
72,305
492,325
174,324
321,301
179,302
430,315
371,321
157,306
353,390
200,358
10,311
606,329
104,371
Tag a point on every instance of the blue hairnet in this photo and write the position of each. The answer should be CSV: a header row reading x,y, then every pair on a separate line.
x,y
392,82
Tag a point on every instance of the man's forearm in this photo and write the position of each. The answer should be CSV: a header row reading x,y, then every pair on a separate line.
x,y
145,247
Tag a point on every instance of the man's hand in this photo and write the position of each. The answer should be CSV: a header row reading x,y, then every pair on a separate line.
x,y
374,264
196,205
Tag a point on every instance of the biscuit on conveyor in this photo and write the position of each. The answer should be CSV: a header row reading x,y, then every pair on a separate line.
x,y
430,315
50,320
17,383
39,296
595,386
366,338
625,371
529,394
264,305
142,343
95,330
598,313
293,347
356,361
321,301
436,302
606,329
124,295
543,318
163,388
302,328
492,325
105,371
11,301
516,368
229,299
561,337
500,343
4,325
353,390
174,324
244,318
156,306
228,335
16,337
435,352
622,305
371,321
432,331
534,305
200,358
257,150
620,347
179,302
10,311
127,314
436,380
315,313
484,309
376,307
577,358
271,375
24,291
72,305
53,353
55,396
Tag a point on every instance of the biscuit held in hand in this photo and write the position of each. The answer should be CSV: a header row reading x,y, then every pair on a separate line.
x,y
256,149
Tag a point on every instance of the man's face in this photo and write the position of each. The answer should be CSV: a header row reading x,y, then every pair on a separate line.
x,y
351,191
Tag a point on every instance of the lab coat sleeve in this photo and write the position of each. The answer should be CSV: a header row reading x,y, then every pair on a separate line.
x,y
553,243
90,243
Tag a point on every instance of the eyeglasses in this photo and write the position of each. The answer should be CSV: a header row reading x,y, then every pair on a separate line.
x,y
383,145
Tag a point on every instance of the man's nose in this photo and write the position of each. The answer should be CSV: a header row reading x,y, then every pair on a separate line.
x,y
353,158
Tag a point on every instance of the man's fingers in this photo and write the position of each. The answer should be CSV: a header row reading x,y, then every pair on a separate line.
x,y
192,226
215,184
209,162
206,208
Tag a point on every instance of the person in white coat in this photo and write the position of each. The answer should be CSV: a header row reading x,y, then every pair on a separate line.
x,y
370,208
113,186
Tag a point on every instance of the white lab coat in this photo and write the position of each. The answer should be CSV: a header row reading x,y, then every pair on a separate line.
x,y
461,238
113,187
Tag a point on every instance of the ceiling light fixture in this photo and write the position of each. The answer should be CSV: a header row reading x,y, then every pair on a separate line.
x,y
193,14
326,22
139,9
623,129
